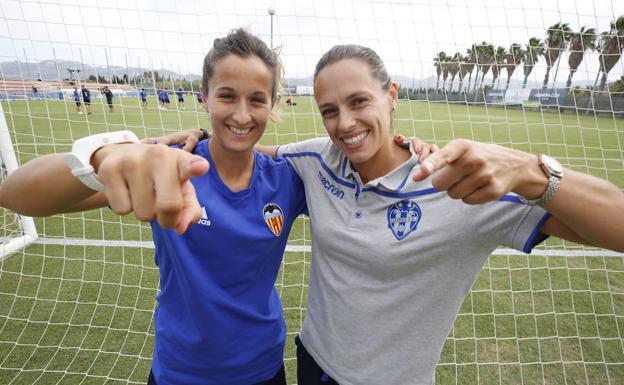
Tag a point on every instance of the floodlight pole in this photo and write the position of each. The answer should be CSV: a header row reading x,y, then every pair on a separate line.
x,y
271,12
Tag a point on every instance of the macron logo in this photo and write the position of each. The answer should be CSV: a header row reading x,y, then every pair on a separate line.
x,y
330,187
204,219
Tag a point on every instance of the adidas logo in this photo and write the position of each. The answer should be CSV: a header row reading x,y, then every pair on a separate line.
x,y
204,219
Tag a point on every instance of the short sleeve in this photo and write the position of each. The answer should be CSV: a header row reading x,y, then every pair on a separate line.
x,y
294,153
510,223
298,189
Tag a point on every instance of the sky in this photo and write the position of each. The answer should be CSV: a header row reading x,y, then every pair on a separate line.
x,y
177,34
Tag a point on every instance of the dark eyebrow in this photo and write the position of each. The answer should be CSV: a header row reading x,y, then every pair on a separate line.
x,y
230,89
356,94
350,97
325,105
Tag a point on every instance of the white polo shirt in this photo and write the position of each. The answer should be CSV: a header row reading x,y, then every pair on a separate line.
x,y
392,261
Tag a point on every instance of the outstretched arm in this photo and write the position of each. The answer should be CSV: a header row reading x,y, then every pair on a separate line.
x,y
45,186
585,209
152,181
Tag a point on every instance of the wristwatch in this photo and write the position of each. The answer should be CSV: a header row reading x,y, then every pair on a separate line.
x,y
79,159
554,172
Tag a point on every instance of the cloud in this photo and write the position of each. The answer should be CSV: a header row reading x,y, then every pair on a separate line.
x,y
176,35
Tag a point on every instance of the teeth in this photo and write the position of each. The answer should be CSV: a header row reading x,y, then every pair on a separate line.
x,y
240,131
356,139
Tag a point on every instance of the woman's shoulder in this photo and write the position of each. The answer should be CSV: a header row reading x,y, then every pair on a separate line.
x,y
320,146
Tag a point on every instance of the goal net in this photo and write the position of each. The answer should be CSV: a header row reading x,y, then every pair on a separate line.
x,y
78,291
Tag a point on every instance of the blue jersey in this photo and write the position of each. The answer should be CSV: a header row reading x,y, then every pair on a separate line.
x,y
76,95
143,95
219,319
180,95
86,95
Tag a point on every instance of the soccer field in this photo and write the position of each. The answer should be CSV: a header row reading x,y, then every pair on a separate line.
x,y
76,307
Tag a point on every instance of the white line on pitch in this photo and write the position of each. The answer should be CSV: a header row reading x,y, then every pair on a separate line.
x,y
294,248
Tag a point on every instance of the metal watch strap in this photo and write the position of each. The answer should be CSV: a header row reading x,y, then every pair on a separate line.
x,y
551,189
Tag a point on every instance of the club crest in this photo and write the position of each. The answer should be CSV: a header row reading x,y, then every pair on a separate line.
x,y
274,218
403,218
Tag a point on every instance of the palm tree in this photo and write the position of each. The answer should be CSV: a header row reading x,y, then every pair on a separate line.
x,y
515,56
437,63
471,60
453,67
610,47
535,49
499,63
480,59
445,71
583,40
465,68
485,59
557,39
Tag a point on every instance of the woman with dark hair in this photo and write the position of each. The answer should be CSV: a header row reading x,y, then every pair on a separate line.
x,y
398,249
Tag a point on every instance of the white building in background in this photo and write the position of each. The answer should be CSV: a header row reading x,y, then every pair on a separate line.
x,y
304,90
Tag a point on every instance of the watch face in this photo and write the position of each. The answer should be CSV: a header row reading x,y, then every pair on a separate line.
x,y
551,165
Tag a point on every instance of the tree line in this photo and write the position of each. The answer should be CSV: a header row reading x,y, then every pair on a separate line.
x,y
148,80
483,57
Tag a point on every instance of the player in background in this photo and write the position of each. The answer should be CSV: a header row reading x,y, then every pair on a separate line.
x,y
159,98
77,100
143,97
180,94
86,98
166,101
108,94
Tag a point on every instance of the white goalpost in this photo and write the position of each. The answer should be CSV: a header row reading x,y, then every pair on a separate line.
x,y
77,291
19,231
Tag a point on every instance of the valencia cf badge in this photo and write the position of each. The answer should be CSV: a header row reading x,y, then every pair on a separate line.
x,y
274,218
403,218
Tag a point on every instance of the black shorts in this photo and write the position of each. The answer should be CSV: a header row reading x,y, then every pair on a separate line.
x,y
308,371
87,102
279,379
77,104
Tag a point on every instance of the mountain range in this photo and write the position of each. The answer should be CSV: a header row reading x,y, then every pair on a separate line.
x,y
58,69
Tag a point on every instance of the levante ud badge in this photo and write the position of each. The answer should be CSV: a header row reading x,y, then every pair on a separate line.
x,y
403,218
274,218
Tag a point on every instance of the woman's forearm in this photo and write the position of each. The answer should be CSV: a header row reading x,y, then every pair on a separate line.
x,y
45,186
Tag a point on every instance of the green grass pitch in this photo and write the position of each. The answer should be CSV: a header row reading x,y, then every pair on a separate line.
x,y
75,314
